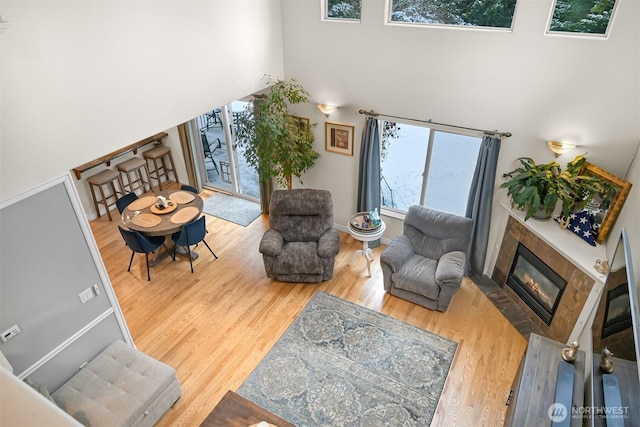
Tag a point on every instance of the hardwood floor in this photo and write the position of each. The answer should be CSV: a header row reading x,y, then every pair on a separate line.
x,y
215,325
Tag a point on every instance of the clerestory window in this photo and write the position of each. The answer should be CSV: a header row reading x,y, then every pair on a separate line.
x,y
425,166
463,13
584,17
346,10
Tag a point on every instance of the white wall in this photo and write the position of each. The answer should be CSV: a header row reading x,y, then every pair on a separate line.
x,y
628,218
21,405
538,87
82,79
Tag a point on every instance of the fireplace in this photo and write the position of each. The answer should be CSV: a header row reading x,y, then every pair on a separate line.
x,y
577,271
535,283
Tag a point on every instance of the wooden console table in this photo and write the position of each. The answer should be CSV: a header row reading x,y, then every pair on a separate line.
x,y
236,411
533,391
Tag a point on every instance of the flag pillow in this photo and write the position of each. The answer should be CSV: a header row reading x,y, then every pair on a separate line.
x,y
580,224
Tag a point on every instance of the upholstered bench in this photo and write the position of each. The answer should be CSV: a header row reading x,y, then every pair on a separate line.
x,y
120,387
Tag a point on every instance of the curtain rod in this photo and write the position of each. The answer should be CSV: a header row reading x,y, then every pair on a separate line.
x,y
488,132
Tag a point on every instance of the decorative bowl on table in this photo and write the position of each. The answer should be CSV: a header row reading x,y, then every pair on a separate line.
x,y
159,209
362,222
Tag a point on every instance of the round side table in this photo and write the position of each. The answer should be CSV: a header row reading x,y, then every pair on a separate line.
x,y
365,237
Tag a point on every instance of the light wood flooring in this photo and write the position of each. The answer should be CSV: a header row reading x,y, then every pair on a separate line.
x,y
215,325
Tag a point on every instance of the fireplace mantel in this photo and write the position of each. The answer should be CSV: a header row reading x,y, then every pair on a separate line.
x,y
566,254
572,247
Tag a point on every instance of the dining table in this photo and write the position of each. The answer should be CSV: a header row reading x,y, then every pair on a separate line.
x,y
148,217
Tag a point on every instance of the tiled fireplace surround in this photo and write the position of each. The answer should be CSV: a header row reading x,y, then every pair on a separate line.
x,y
577,291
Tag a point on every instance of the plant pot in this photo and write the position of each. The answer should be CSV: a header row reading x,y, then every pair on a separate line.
x,y
541,215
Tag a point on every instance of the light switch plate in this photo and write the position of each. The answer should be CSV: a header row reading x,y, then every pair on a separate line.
x,y
85,295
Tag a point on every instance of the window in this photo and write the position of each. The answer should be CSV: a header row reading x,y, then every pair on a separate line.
x,y
587,17
348,10
424,166
478,13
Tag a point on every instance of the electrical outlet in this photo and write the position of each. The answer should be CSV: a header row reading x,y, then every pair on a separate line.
x,y
10,333
85,295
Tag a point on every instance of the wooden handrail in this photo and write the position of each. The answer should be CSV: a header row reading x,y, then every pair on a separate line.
x,y
108,157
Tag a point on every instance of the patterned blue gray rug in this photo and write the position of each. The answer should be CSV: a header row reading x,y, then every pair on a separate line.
x,y
340,364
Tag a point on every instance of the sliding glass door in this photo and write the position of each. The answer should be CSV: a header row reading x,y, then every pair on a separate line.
x,y
222,164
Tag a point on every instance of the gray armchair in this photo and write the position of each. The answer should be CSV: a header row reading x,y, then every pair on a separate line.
x,y
425,265
301,244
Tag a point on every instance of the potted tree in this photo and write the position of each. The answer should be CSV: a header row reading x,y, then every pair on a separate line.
x,y
277,144
537,188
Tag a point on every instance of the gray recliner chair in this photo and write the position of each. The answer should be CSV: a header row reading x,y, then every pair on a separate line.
x,y
426,264
301,244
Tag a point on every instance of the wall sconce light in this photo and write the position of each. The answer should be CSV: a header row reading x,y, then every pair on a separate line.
x,y
327,109
560,147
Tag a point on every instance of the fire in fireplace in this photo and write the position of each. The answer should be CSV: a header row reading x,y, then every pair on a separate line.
x,y
535,283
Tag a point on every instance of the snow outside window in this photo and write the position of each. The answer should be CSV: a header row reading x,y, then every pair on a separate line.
x,y
348,10
586,17
423,166
477,13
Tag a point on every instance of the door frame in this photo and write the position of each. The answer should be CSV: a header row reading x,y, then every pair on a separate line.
x,y
198,158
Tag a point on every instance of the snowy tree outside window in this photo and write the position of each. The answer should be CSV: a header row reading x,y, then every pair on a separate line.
x,y
471,13
582,16
343,9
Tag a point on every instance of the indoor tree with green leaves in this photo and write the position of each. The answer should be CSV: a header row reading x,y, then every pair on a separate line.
x,y
277,144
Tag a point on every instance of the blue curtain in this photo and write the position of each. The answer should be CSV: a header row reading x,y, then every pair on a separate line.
x,y
479,202
369,173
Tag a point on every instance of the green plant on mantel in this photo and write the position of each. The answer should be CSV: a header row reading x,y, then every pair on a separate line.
x,y
576,190
536,188
277,144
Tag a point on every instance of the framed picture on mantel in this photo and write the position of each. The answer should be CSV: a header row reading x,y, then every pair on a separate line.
x,y
604,208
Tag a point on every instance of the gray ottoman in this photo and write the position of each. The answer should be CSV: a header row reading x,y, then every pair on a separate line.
x,y
120,387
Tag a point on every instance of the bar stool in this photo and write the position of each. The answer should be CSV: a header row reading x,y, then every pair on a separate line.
x,y
162,161
135,170
107,178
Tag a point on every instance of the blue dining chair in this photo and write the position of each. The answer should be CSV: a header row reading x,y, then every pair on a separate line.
x,y
191,234
186,187
125,201
142,244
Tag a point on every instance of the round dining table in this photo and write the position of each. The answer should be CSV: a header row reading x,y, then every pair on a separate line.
x,y
144,215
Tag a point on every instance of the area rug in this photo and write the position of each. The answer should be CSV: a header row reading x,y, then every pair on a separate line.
x,y
235,209
340,364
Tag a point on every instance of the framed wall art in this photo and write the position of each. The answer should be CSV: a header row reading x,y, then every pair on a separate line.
x,y
339,138
604,208
303,122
